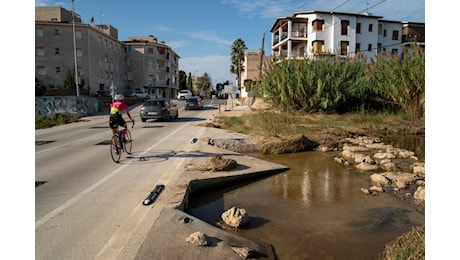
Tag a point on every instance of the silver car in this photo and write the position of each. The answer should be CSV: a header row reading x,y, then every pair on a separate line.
x,y
159,108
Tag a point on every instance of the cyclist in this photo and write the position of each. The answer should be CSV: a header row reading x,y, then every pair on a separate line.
x,y
116,118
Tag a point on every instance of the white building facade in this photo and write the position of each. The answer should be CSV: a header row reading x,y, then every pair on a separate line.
x,y
318,33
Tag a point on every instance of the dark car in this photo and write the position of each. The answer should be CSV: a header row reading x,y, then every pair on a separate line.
x,y
103,93
159,108
193,103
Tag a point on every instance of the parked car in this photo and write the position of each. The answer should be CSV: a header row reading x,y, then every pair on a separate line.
x,y
183,94
193,102
159,108
140,94
103,93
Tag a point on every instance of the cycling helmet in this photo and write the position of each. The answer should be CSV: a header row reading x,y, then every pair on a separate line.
x,y
119,97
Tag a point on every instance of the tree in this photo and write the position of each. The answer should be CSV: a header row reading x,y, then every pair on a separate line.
x,y
39,88
237,56
69,80
204,84
189,82
182,80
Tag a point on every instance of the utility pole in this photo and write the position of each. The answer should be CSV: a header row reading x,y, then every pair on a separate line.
x,y
261,57
75,50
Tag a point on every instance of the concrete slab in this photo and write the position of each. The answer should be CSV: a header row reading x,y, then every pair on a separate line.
x,y
167,237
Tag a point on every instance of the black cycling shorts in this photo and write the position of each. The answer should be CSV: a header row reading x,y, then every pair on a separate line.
x,y
116,120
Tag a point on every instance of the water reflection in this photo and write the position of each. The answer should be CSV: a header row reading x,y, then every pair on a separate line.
x,y
314,210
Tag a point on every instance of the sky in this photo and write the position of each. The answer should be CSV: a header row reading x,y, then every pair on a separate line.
x,y
202,32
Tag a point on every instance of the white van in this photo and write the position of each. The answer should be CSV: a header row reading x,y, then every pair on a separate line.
x,y
183,94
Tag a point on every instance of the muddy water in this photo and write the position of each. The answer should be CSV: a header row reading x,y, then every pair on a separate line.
x,y
313,211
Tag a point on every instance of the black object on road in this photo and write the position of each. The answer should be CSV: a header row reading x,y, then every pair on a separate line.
x,y
154,195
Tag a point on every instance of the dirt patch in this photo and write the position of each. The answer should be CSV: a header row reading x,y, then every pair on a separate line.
x,y
215,163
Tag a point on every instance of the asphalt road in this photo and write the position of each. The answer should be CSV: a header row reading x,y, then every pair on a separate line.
x,y
87,206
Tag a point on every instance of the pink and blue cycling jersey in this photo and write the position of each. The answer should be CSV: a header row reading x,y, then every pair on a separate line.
x,y
117,107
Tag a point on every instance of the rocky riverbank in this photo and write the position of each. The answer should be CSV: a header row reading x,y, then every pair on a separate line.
x,y
389,169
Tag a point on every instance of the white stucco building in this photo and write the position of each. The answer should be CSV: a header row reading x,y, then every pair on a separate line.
x,y
319,33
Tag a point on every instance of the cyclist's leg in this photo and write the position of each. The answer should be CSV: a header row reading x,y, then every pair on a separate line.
x,y
123,123
113,124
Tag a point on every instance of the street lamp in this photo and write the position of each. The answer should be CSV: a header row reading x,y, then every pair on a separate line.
x,y
75,49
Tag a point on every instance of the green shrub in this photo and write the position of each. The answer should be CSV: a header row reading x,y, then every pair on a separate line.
x,y
56,119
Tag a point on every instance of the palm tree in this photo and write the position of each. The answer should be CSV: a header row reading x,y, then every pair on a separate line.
x,y
204,84
238,49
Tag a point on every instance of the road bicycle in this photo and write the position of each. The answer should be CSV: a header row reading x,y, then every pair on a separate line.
x,y
119,144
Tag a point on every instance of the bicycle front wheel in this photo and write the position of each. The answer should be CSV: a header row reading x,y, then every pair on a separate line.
x,y
115,148
129,142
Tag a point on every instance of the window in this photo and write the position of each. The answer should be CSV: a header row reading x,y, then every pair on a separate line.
x,y
317,46
369,47
384,33
150,50
358,28
129,48
379,47
39,51
395,35
150,65
57,51
39,32
100,40
129,62
106,74
318,25
358,47
41,71
78,34
344,47
345,24
58,70
394,51
79,52
380,29
371,27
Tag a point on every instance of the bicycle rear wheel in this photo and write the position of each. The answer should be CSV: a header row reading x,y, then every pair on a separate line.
x,y
115,148
129,142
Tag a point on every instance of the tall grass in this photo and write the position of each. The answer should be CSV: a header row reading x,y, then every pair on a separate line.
x,y
389,84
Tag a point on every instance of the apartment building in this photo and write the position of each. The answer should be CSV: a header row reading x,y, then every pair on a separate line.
x,y
102,60
315,34
151,66
252,64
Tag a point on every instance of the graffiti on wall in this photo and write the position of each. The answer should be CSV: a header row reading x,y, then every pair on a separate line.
x,y
81,105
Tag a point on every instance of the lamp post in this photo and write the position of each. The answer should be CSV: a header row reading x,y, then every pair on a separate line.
x,y
75,49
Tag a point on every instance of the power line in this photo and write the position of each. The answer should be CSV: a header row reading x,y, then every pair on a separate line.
x,y
340,5
367,8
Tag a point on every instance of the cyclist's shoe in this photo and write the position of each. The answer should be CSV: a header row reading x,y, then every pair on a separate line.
x,y
124,140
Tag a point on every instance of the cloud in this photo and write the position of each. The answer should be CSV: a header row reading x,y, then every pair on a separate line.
x,y
177,44
218,67
263,9
211,37
389,9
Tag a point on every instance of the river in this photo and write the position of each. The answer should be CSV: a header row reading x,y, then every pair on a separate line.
x,y
315,210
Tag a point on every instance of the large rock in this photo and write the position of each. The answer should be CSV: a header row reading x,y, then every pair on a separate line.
x,y
198,239
235,217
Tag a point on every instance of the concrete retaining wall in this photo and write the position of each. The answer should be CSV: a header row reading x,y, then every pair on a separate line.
x,y
79,106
